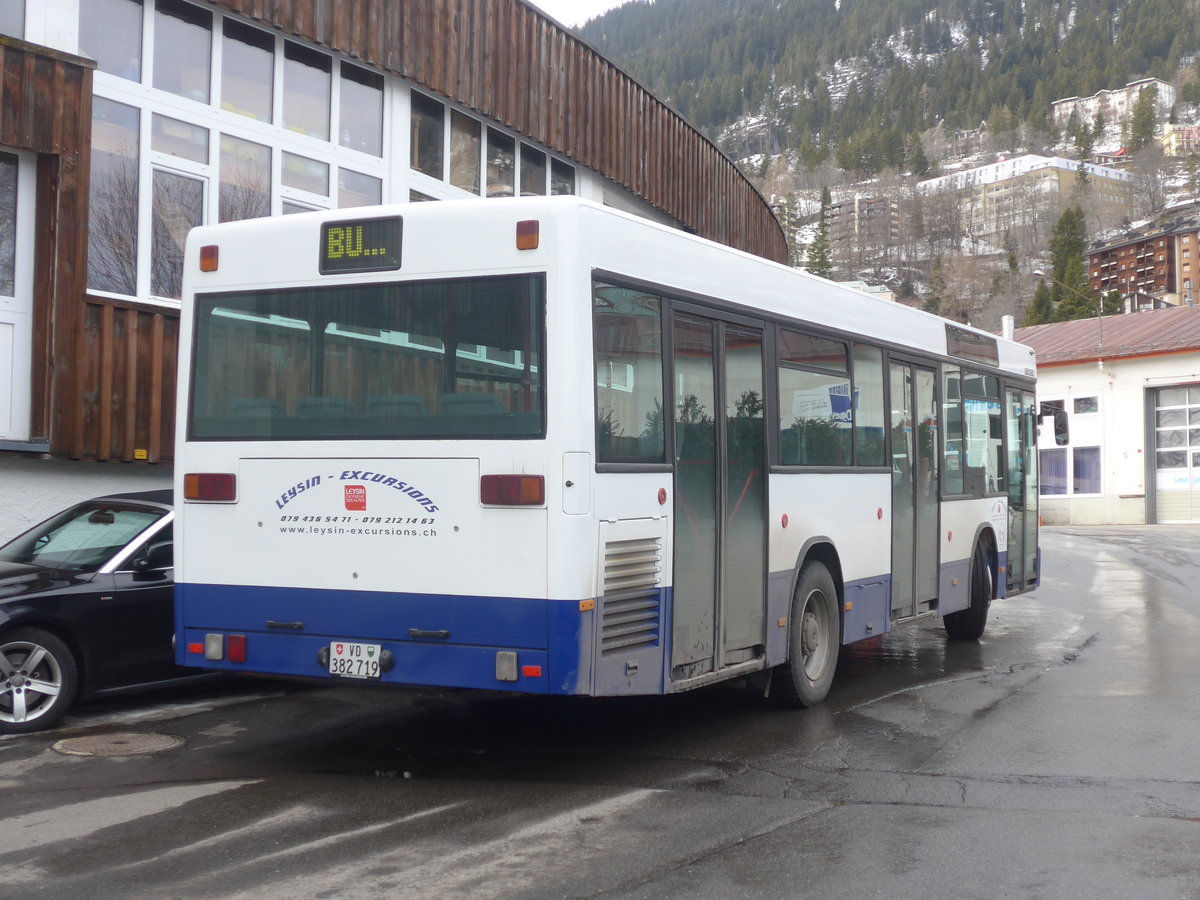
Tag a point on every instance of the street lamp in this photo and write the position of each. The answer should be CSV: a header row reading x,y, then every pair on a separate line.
x,y
1078,293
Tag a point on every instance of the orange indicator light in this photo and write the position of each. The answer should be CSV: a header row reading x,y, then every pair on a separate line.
x,y
209,257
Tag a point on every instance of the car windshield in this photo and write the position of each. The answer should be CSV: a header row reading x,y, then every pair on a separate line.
x,y
83,537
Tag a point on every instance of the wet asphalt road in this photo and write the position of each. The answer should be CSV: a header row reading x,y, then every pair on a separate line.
x,y
1057,758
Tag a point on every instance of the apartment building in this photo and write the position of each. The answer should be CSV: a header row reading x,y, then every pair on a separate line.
x,y
1029,191
1114,105
1149,266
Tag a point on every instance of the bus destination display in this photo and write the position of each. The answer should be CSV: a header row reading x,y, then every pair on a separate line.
x,y
360,245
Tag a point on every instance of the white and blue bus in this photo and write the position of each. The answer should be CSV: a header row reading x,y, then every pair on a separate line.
x,y
539,445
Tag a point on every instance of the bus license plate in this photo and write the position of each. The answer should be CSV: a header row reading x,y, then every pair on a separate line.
x,y
350,660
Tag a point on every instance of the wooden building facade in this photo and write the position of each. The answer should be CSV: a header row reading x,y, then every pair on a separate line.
x,y
103,330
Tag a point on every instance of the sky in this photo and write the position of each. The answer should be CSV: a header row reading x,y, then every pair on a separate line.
x,y
574,13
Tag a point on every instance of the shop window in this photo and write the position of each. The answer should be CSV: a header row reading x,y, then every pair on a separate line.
x,y
357,189
465,144
247,71
501,164
178,206
1086,405
9,166
427,120
304,174
1052,474
533,172
110,32
307,81
182,49
245,180
360,110
562,178
113,198
181,139
1085,467
12,18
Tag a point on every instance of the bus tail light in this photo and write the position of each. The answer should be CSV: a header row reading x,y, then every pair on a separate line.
x,y
211,487
217,646
528,234
235,648
512,490
209,257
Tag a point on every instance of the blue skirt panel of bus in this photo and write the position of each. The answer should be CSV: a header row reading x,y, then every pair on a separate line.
x,y
552,636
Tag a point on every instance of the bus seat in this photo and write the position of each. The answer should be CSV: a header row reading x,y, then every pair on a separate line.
x,y
396,405
252,407
323,407
470,405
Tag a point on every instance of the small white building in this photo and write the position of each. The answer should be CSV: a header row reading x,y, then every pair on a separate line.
x,y
1130,385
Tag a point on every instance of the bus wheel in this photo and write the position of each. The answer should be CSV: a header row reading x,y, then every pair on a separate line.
x,y
814,638
968,624
38,679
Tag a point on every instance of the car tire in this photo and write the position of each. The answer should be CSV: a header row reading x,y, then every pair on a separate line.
x,y
814,639
39,677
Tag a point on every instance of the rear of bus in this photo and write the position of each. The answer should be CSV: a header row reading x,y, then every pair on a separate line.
x,y
362,455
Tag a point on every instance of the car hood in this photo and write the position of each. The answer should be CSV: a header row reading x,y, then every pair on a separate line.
x,y
19,579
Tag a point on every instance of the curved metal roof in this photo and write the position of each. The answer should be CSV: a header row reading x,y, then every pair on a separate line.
x,y
516,66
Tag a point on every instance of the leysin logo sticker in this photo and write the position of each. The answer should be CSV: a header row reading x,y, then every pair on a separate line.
x,y
356,497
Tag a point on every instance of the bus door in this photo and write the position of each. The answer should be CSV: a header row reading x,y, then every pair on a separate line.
x,y
914,427
1022,489
718,610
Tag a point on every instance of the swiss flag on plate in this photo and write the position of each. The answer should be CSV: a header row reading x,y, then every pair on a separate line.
x,y
339,649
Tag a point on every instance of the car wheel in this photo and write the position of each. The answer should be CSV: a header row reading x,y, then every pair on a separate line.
x,y
38,680
968,624
814,638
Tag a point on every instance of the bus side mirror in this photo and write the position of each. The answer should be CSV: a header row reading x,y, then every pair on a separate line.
x,y
1062,431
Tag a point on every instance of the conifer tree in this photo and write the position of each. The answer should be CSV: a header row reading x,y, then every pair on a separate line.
x,y
819,262
1144,118
1041,310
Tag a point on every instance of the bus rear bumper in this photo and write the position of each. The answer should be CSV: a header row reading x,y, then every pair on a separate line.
x,y
534,646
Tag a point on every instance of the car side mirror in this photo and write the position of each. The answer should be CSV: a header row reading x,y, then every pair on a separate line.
x,y
159,556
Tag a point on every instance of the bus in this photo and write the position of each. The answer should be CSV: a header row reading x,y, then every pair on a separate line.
x,y
539,445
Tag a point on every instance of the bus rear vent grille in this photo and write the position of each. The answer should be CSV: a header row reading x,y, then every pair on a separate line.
x,y
632,606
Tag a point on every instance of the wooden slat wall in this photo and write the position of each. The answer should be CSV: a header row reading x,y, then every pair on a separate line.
x,y
46,109
508,62
127,404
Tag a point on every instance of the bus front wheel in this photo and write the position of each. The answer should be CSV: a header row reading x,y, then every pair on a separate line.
x,y
968,624
814,638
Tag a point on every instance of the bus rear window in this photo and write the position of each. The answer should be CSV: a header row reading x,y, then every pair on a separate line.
x,y
455,358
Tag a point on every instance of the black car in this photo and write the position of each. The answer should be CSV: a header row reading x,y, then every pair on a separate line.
x,y
86,607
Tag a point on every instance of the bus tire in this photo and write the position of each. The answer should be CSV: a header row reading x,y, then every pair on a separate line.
x,y
968,624
814,639
39,681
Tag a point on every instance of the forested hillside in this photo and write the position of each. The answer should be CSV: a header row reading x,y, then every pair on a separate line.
x,y
824,71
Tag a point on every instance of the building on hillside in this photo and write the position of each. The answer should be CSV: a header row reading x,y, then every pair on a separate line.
x,y
1114,105
1130,385
127,122
1180,140
1157,264
1028,190
878,291
873,220
863,230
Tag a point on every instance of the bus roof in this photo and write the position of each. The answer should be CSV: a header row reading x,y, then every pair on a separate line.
x,y
462,237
